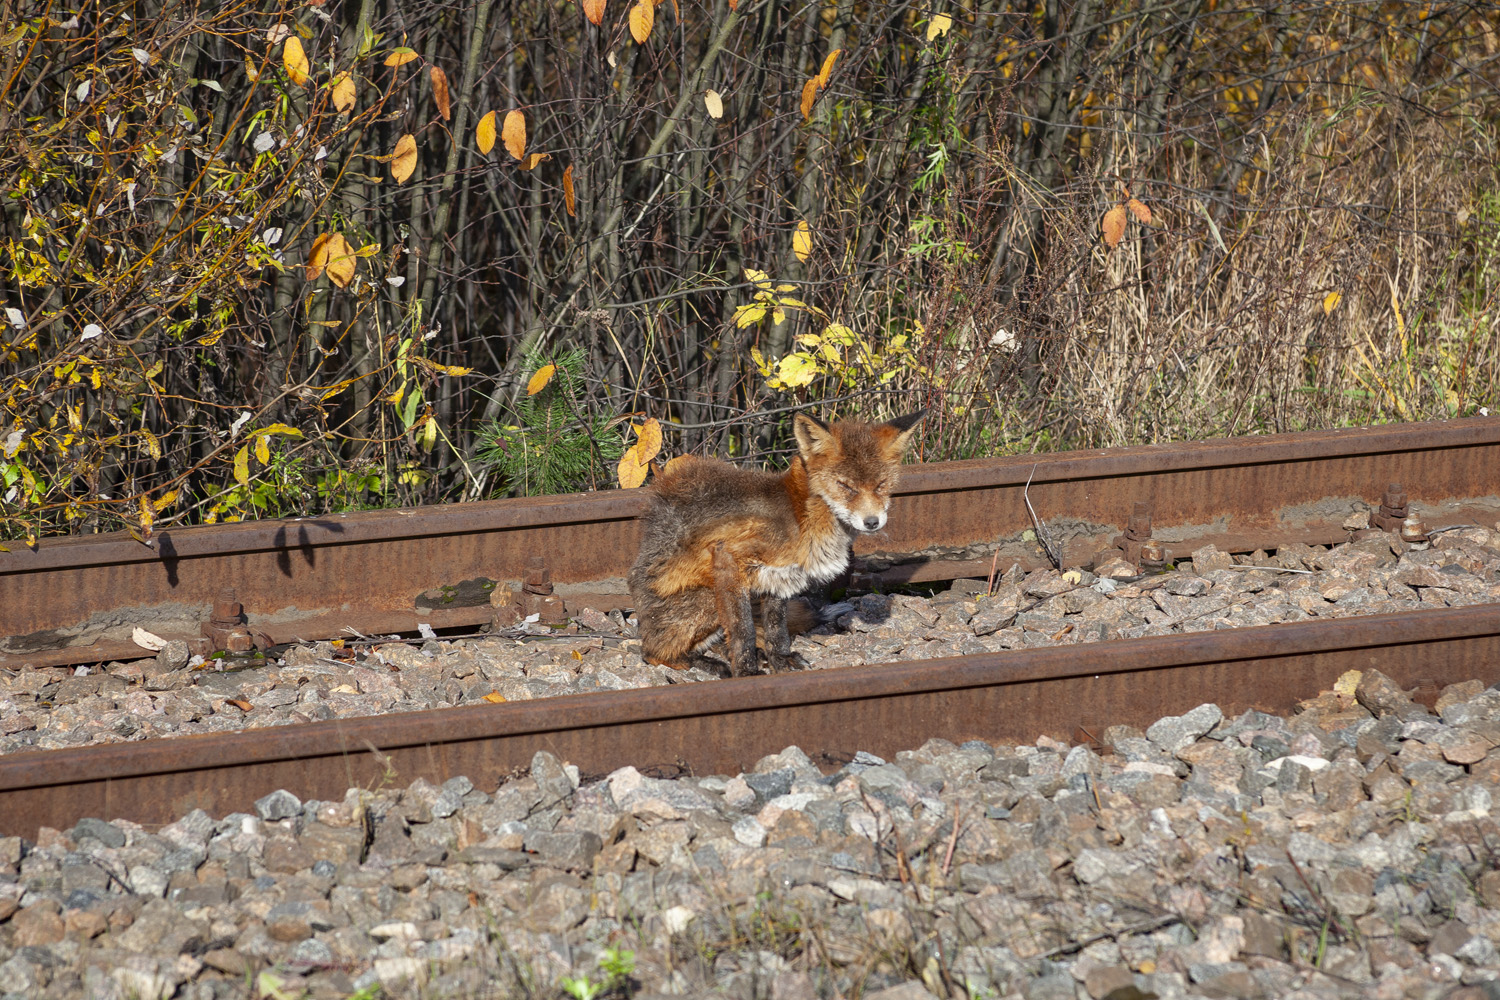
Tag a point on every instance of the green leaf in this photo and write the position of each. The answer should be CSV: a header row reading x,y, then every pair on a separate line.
x,y
409,411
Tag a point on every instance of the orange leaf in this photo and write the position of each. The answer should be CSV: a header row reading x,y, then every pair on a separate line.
x,y
295,61
1140,211
495,698
343,93
648,440
642,17
239,703
513,133
734,4
631,470
485,133
809,95
672,463
594,11
404,160
539,380
827,70
532,159
340,261
440,92
1114,226
570,199
400,57
317,257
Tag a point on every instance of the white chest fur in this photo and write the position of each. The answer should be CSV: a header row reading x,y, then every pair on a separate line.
x,y
827,556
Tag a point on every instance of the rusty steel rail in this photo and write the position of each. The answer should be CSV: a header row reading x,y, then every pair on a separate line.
x,y
725,726
76,600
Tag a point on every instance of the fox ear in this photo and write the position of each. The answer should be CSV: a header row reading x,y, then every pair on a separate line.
x,y
902,429
813,436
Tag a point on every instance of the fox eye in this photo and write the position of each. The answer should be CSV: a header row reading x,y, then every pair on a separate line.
x,y
850,490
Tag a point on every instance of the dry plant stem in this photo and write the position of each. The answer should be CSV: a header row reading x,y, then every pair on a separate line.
x,y
439,231
1042,534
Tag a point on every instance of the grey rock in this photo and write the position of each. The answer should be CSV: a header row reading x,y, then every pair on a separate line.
x,y
280,804
551,780
1173,733
575,849
105,833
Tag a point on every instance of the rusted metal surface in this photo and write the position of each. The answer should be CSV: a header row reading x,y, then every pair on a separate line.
x,y
76,600
724,727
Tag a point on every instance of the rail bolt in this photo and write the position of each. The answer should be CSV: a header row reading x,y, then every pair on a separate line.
x,y
538,577
1137,532
1413,531
1393,509
225,630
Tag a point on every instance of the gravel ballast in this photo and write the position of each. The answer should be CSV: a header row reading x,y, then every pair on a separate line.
x,y
1346,850
174,695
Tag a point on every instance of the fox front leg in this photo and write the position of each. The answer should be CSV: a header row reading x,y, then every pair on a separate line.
x,y
732,598
779,655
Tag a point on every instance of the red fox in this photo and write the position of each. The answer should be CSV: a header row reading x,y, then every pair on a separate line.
x,y
718,537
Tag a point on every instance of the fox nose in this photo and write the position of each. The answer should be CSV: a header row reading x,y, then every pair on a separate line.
x,y
872,522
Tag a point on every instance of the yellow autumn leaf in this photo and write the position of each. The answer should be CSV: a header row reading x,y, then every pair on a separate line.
x,y
252,69
827,69
642,17
802,241
400,56
242,466
647,440
343,93
674,463
532,159
148,513
809,95
484,134
263,449
295,61
1331,302
440,95
570,197
1114,226
1140,211
317,257
539,381
713,104
594,11
513,134
404,159
749,314
631,470
495,698
340,261
167,499
938,27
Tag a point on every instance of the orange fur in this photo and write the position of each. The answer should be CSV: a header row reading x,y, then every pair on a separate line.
x,y
718,536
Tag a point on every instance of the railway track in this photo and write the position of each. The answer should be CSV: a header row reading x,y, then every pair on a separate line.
x,y
389,571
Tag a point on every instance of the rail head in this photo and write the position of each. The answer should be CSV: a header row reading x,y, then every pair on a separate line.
x,y
438,727
625,505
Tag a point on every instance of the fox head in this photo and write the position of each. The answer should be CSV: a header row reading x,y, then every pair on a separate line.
x,y
853,466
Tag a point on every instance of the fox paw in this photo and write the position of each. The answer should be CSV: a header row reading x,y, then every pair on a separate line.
x,y
783,664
